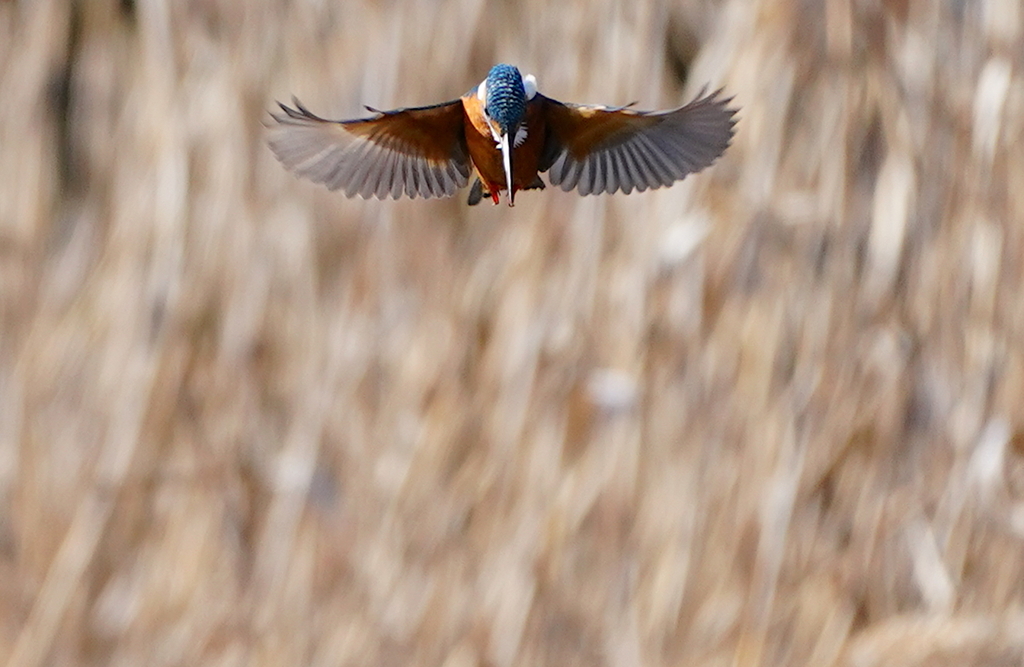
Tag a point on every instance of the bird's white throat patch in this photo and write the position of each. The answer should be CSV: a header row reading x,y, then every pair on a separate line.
x,y
517,141
520,137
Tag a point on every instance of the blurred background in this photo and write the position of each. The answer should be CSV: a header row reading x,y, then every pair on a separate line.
x,y
769,416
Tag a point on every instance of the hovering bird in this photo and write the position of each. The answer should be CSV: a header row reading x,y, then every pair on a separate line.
x,y
507,133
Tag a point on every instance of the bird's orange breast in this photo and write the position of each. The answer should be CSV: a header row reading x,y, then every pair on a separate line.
x,y
486,155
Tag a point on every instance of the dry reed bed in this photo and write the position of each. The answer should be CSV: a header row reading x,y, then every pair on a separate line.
x,y
770,416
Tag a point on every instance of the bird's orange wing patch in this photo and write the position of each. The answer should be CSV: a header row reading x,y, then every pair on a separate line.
x,y
595,149
416,152
433,132
582,129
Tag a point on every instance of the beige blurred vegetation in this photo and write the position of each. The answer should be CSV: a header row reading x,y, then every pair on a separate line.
x,y
770,416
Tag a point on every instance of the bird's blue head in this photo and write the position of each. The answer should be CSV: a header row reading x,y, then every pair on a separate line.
x,y
506,97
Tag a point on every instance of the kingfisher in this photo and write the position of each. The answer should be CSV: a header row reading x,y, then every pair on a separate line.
x,y
505,134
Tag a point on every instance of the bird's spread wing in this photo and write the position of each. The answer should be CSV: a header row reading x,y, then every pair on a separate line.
x,y
595,149
417,152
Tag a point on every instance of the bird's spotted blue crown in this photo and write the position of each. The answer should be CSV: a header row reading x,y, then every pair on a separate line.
x,y
506,97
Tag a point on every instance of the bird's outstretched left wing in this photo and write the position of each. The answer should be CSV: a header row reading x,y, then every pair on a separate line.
x,y
417,151
595,149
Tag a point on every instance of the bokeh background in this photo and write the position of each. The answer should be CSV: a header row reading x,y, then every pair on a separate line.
x,y
769,416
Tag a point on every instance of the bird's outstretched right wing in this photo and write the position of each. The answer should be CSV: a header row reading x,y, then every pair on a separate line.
x,y
417,151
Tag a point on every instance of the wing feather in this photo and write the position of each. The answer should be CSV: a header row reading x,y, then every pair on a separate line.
x,y
428,182
634,174
573,168
647,173
586,185
380,177
594,149
358,170
399,176
600,172
631,172
649,154
418,151
415,180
